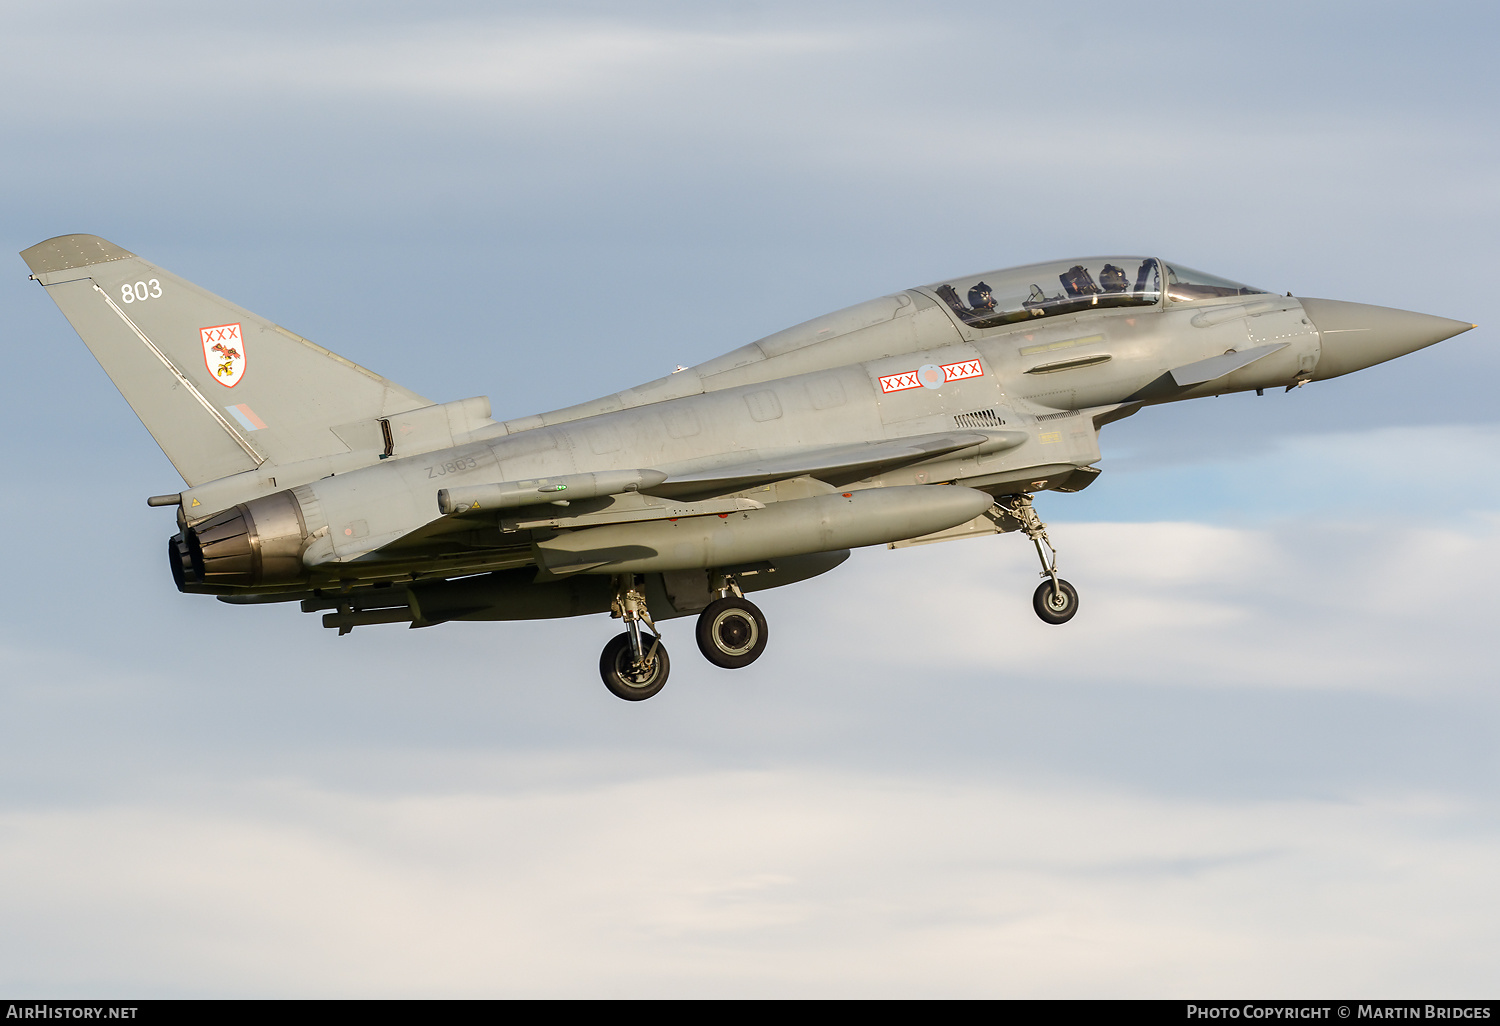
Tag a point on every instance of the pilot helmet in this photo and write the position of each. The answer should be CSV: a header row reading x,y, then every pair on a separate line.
x,y
981,298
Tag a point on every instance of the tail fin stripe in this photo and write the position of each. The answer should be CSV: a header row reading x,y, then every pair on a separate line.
x,y
182,379
246,416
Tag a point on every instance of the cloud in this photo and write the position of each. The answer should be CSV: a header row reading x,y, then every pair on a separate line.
x,y
1303,603
787,882
532,60
505,59
1260,758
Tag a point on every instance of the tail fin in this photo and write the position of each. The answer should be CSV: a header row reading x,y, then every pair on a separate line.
x,y
220,389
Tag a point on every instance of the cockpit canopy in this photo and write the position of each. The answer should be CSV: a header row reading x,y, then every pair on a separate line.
x,y
1072,286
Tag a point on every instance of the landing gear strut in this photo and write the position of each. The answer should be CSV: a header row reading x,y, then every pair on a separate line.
x,y
1055,600
634,666
732,631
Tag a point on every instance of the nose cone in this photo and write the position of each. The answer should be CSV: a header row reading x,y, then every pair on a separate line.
x,y
1354,336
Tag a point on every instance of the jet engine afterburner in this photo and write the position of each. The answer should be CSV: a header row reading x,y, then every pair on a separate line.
x,y
255,543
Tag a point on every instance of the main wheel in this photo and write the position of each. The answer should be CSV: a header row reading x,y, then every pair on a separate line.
x,y
1055,606
731,633
630,682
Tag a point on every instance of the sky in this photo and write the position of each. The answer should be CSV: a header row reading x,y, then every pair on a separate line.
x,y
1262,760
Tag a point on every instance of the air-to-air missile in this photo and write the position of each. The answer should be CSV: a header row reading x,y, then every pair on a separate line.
x,y
933,414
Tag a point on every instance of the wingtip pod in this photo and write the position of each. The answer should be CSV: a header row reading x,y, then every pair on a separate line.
x,y
68,251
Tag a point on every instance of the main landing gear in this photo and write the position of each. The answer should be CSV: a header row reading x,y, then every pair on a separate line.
x,y
1055,600
731,633
634,666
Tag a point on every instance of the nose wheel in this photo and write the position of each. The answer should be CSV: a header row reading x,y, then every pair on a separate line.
x,y
634,666
1055,600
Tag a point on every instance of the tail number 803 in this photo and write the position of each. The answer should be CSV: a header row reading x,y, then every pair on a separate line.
x,y
140,291
453,467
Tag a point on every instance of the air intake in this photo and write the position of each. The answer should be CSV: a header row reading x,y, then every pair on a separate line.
x,y
978,419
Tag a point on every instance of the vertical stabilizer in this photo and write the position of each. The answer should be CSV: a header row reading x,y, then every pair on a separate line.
x,y
220,389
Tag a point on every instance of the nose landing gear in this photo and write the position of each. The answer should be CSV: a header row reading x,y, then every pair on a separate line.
x,y
633,666
732,631
1055,600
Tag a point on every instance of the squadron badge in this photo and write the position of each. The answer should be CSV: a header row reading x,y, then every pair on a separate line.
x,y
224,353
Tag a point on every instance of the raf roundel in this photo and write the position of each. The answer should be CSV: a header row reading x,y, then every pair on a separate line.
x,y
224,353
931,375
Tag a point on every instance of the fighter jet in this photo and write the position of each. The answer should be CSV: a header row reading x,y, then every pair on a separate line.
x,y
933,414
